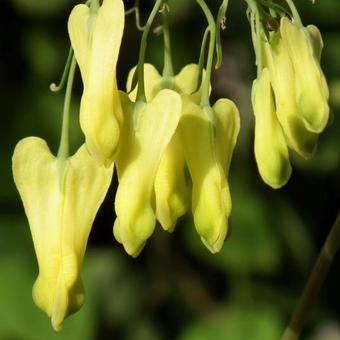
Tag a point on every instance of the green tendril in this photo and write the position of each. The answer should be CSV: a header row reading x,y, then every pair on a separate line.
x,y
63,151
57,88
140,67
135,9
212,30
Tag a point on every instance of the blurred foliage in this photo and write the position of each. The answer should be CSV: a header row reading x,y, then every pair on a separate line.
x,y
176,289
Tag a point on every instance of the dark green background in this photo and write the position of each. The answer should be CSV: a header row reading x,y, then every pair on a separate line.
x,y
176,289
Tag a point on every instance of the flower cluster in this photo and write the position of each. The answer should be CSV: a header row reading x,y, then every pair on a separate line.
x,y
162,127
290,97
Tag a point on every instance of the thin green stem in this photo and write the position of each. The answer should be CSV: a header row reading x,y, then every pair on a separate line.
x,y
294,11
201,59
255,24
94,6
212,30
63,151
220,24
314,282
56,88
168,70
140,68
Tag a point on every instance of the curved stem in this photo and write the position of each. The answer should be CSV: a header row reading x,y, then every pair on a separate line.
x,y
140,68
212,30
314,282
168,70
63,151
294,11
135,9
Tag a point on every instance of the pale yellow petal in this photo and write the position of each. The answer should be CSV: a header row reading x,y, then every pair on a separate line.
x,y
61,198
152,79
271,150
186,79
210,193
80,37
170,185
227,130
316,40
288,112
100,109
310,85
150,128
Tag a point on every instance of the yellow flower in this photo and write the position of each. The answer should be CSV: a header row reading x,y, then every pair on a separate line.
x,y
208,137
184,82
304,48
96,39
61,198
282,77
170,185
271,150
147,131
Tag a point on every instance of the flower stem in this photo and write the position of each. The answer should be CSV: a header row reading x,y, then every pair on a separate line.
x,y
212,30
220,23
314,282
255,24
63,151
168,70
294,11
140,68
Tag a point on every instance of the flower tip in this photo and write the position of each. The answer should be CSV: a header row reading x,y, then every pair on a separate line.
x,y
213,248
58,325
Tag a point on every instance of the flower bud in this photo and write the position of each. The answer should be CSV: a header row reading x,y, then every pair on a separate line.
x,y
288,113
310,84
271,150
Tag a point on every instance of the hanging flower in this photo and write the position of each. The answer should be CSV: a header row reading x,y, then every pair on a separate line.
x,y
146,132
304,47
209,137
61,198
271,151
96,36
282,77
171,190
